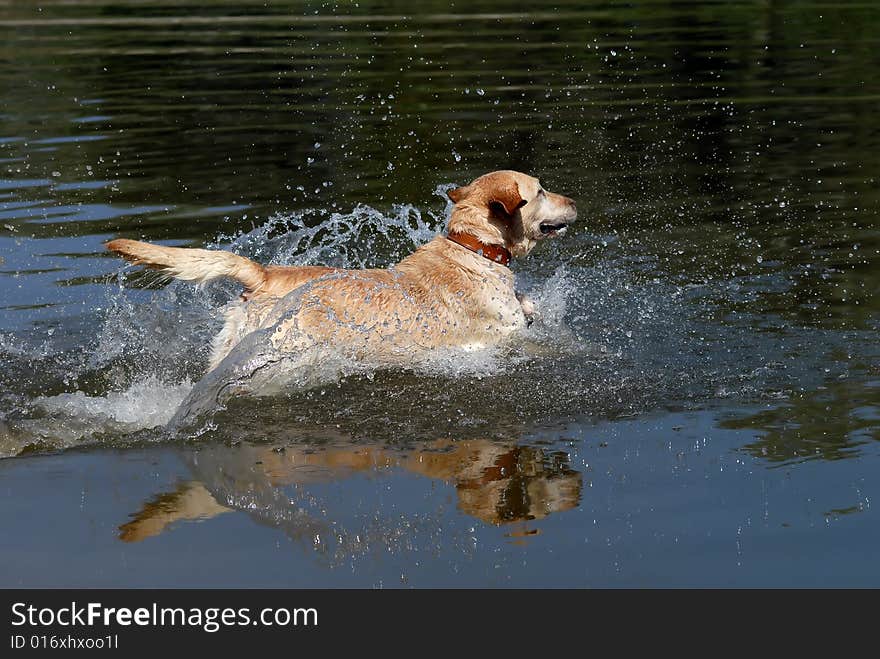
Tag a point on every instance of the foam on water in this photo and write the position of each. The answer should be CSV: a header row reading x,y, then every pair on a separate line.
x,y
145,404
71,419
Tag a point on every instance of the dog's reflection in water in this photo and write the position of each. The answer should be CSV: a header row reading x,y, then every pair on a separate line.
x,y
496,482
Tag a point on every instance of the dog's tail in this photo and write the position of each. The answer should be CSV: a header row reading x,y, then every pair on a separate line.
x,y
197,265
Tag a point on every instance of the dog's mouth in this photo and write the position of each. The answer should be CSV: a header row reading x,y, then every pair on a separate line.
x,y
553,228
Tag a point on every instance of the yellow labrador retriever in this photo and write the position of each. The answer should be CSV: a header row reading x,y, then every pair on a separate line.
x,y
455,291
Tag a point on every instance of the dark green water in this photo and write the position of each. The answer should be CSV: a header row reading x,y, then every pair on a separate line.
x,y
700,404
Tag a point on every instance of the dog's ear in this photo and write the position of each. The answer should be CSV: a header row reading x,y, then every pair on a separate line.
x,y
457,194
505,197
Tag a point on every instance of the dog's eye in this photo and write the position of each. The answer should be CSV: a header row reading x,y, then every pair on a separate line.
x,y
540,193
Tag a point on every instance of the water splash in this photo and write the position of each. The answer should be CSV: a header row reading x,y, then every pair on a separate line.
x,y
613,336
71,419
151,345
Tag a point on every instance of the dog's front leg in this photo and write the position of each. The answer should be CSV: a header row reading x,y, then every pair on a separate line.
x,y
527,306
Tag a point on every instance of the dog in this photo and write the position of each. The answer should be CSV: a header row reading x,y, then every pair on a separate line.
x,y
455,291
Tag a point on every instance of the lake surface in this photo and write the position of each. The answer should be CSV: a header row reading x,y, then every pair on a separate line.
x,y
697,405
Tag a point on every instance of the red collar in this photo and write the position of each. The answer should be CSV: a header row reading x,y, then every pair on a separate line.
x,y
495,253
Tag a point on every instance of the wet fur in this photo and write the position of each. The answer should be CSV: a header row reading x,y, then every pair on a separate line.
x,y
441,295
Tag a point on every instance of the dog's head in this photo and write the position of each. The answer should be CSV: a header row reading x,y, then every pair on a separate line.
x,y
511,209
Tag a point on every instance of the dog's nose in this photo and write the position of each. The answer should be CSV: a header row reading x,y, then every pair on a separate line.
x,y
570,203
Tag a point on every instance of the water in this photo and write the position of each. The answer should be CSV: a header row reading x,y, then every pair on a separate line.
x,y
698,403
